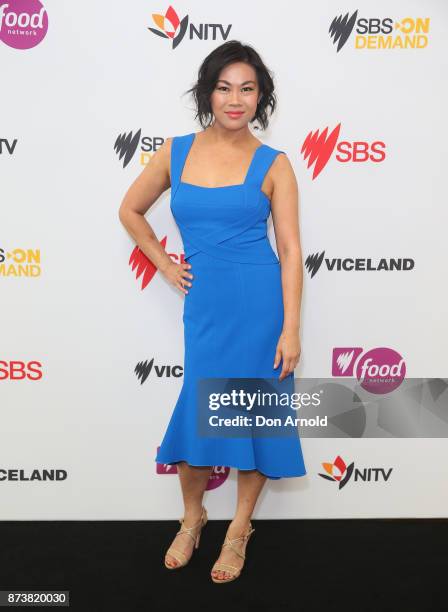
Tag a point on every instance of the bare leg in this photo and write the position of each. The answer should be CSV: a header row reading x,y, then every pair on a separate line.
x,y
250,485
193,480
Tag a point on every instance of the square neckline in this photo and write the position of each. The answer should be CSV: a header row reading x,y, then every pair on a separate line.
x,y
252,161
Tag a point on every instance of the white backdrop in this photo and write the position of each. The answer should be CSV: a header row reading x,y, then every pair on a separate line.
x,y
83,321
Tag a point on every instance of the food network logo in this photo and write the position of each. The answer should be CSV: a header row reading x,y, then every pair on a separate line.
x,y
144,368
217,478
378,32
144,267
340,472
126,145
318,148
380,370
23,23
173,28
314,262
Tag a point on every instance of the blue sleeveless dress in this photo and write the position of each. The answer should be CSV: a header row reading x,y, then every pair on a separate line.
x,y
233,312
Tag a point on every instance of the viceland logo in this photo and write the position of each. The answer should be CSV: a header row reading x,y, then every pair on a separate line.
x,y
126,145
173,28
341,473
357,264
144,368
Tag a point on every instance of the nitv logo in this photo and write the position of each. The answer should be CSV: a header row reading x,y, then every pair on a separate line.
x,y
23,23
318,148
340,472
126,145
144,267
144,368
7,147
314,262
171,27
380,370
378,32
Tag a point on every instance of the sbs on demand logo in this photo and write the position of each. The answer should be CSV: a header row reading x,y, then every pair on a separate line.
x,y
378,33
126,144
171,27
318,148
340,472
23,23
20,262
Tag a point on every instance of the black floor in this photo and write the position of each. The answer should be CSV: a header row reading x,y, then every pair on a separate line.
x,y
300,565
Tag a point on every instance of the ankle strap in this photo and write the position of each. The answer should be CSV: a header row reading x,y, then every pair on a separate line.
x,y
230,543
188,530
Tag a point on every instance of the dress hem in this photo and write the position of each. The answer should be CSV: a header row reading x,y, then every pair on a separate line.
x,y
236,467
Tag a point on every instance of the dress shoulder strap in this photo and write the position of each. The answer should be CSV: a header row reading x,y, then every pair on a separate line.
x,y
180,145
263,159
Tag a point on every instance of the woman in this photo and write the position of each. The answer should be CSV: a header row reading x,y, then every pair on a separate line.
x,y
241,304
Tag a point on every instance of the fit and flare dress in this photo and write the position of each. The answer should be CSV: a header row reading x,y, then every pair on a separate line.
x,y
233,312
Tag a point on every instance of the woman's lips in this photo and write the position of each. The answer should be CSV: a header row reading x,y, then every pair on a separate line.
x,y
234,114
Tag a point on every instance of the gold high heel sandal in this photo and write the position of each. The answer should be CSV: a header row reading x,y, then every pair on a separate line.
x,y
224,566
180,557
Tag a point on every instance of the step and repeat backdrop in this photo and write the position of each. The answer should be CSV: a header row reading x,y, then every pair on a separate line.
x,y
91,350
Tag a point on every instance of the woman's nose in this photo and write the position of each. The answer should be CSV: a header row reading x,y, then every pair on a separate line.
x,y
235,97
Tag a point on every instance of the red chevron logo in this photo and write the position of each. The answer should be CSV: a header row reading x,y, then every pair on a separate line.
x,y
317,148
143,265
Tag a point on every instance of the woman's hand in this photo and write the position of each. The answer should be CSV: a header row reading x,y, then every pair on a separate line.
x,y
288,349
176,274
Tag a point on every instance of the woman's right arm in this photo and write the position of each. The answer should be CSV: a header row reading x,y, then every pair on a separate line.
x,y
141,195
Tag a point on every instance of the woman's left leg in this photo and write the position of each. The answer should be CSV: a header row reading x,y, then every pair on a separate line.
x,y
250,485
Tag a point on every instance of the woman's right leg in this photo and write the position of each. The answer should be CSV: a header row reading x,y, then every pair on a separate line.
x,y
193,481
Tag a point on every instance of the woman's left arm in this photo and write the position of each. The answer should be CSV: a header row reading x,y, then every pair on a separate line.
x,y
285,216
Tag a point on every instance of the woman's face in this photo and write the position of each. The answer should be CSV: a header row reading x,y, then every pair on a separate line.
x,y
236,90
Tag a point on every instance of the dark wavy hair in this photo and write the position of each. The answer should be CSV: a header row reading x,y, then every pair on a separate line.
x,y
208,75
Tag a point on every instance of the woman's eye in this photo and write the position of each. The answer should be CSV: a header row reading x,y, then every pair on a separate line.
x,y
223,87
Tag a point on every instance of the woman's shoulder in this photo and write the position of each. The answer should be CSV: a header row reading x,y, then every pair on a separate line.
x,y
182,137
177,138
175,143
278,161
178,143
274,149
